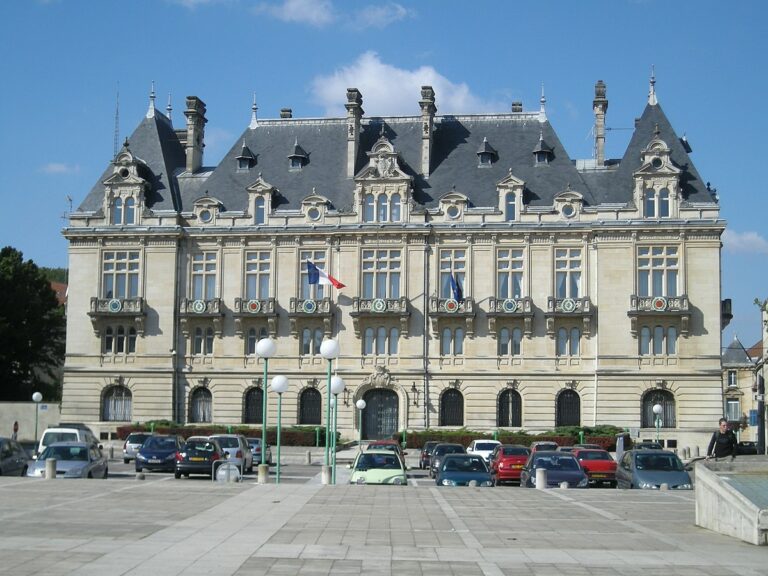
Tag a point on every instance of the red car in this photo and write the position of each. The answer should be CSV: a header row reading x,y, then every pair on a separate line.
x,y
507,461
598,464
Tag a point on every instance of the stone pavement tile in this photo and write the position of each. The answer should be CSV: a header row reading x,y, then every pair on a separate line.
x,y
413,553
316,567
347,567
376,567
325,551
458,554
366,553
550,556
286,567
504,556
279,551
255,567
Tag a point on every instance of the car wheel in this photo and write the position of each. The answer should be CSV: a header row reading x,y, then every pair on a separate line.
x,y
177,475
24,471
186,474
90,475
106,473
126,460
138,469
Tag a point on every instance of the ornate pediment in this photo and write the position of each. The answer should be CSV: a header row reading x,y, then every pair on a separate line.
x,y
511,181
383,163
261,186
379,378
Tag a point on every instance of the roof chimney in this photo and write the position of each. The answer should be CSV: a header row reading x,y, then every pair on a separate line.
x,y
286,113
428,110
600,107
517,106
355,112
195,114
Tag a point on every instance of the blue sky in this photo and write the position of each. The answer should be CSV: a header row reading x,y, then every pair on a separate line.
x,y
64,61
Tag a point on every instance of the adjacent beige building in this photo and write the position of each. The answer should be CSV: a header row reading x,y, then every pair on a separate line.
x,y
490,280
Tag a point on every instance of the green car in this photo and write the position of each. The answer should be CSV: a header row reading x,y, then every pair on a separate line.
x,y
378,467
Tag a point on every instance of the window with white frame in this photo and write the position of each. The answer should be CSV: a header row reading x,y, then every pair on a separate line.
x,y
204,266
509,273
120,274
568,341
257,270
123,211
119,340
658,341
252,338
312,291
381,273
380,341
568,272
657,271
732,381
453,263
452,342
733,409
510,206
258,217
311,339
510,341
202,341
381,207
657,203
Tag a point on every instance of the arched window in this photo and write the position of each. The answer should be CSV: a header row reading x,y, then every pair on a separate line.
x,y
568,409
509,206
394,341
117,211
368,214
663,203
116,404
395,208
310,404
645,341
131,340
568,342
253,337
458,341
510,341
310,341
253,407
120,340
667,402
562,342
452,408
381,340
510,409
129,215
109,340
200,406
662,340
671,340
650,203
368,341
258,217
382,208
503,346
575,342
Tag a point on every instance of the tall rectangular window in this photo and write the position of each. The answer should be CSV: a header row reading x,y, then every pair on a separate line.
x,y
732,382
657,271
317,257
453,262
733,410
120,274
509,273
257,270
568,273
381,273
204,275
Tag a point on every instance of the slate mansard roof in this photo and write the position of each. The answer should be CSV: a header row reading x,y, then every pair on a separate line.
x,y
454,162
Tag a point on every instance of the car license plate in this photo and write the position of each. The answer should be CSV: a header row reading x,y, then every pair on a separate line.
x,y
517,466
599,475
154,461
197,459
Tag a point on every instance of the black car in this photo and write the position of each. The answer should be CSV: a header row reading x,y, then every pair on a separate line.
x,y
158,453
13,458
199,455
426,453
746,448
439,452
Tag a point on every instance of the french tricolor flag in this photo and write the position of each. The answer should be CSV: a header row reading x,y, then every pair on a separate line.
x,y
318,276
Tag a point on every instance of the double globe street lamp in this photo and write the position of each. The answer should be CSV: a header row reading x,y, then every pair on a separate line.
x,y
265,348
360,406
329,349
337,387
657,410
279,385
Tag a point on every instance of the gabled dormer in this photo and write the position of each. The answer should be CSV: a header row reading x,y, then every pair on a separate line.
x,y
315,207
486,154
383,163
453,205
543,153
260,195
511,196
125,188
245,160
569,203
206,210
657,181
383,188
298,158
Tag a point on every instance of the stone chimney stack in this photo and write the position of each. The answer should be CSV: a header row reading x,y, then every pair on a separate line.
x,y
286,113
195,114
428,110
517,106
355,112
600,107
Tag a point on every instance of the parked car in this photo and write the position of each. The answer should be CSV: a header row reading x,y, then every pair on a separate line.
x,y
58,434
588,446
463,470
426,453
378,467
392,445
544,445
507,461
199,455
598,464
647,445
255,445
482,448
565,448
650,468
238,450
132,444
158,453
73,460
560,467
13,458
439,453
746,448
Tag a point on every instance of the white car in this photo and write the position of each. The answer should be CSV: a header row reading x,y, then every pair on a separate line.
x,y
237,449
482,448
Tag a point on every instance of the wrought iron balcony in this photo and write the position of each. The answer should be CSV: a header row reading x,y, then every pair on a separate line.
x,y
104,309
307,309
380,308
645,307
257,309
564,308
441,309
510,309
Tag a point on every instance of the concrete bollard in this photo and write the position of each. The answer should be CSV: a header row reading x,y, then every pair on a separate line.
x,y
263,473
541,478
325,477
696,451
664,487
50,469
111,452
309,458
563,485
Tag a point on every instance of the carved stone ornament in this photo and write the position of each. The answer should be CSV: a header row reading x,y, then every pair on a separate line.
x,y
513,384
454,384
379,378
385,166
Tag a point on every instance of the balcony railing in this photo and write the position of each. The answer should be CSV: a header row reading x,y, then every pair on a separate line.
x,y
104,309
564,308
307,309
659,306
380,308
444,309
510,309
210,309
258,309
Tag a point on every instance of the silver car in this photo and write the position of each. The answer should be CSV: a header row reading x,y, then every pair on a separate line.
x,y
255,444
73,460
132,445
649,469
237,449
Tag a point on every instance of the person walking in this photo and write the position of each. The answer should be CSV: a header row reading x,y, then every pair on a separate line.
x,y
723,442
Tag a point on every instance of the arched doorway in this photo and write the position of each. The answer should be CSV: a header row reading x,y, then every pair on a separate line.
x,y
568,409
380,417
310,406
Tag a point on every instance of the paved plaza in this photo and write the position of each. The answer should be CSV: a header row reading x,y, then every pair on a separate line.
x,y
162,526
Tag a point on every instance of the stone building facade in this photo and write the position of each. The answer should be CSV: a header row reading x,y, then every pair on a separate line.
x,y
491,280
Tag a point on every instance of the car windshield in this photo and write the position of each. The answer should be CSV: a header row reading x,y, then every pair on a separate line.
x,y
254,442
556,463
160,443
546,446
464,464
68,453
392,447
228,441
485,446
449,449
512,451
594,456
200,445
429,447
378,461
52,437
658,462
136,438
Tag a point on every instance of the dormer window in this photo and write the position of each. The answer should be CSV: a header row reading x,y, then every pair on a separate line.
x,y
486,154
657,203
510,206
246,159
543,153
258,217
123,211
298,158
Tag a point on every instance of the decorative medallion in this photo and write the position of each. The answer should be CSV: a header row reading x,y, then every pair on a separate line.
x,y
509,305
568,305
309,306
114,305
451,305
659,304
379,305
198,306
253,306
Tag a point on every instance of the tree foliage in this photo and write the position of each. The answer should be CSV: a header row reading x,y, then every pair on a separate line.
x,y
31,330
55,274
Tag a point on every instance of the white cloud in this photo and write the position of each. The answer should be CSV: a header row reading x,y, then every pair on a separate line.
x,y
388,90
381,16
313,12
749,242
60,168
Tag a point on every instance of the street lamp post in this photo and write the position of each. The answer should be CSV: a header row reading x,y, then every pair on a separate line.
x,y
265,348
360,406
279,385
36,398
657,410
329,349
337,387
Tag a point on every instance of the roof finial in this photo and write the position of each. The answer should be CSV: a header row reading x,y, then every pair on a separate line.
x,y
117,121
542,109
254,121
652,92
169,109
151,111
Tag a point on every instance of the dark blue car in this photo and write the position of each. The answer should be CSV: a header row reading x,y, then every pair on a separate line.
x,y
560,466
463,470
158,453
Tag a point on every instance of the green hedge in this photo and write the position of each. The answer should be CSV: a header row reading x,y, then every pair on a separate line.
x,y
290,436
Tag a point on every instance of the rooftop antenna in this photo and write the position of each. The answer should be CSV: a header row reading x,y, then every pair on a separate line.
x,y
117,122
254,121
652,92
543,102
169,109
151,110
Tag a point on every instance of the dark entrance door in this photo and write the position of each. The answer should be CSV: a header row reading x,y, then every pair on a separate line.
x,y
568,412
380,414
